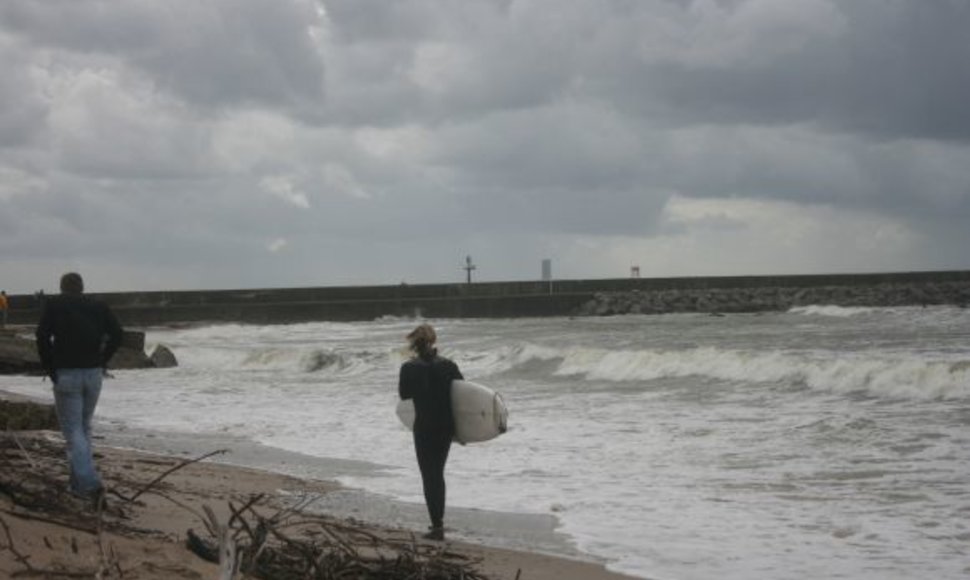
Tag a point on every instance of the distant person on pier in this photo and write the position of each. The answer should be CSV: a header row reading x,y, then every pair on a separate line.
x,y
76,338
4,305
427,378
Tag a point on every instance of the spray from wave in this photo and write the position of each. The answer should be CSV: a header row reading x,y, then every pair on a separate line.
x,y
834,311
307,360
880,375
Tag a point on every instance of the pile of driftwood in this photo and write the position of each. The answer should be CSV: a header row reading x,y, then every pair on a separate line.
x,y
290,545
32,477
258,540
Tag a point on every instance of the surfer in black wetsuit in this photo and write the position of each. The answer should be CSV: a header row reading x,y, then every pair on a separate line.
x,y
426,378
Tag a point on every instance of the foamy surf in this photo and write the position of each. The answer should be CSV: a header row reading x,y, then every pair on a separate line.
x,y
818,443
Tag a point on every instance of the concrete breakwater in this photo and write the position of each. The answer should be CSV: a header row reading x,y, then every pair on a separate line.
x,y
776,298
523,299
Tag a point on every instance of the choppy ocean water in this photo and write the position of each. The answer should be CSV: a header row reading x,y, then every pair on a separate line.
x,y
820,442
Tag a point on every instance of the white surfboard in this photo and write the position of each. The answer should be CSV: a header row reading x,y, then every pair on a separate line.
x,y
480,413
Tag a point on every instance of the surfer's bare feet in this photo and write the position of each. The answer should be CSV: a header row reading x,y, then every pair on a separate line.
x,y
436,533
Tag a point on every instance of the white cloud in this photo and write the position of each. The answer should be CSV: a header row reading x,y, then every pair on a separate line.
x,y
754,236
243,140
277,245
340,180
15,181
103,122
283,187
439,67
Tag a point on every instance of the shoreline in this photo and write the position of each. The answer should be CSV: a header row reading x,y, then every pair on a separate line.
x,y
505,530
532,545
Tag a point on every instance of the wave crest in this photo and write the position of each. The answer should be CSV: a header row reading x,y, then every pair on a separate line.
x,y
877,374
830,310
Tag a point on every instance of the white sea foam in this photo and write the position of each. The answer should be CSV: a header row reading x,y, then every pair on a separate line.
x,y
673,446
897,375
830,310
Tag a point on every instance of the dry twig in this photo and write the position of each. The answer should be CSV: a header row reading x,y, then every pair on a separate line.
x,y
24,451
324,549
13,549
168,472
284,543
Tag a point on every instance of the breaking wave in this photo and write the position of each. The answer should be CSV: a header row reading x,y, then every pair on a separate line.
x,y
877,374
828,310
284,359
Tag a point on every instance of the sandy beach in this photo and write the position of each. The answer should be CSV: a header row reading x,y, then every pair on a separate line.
x,y
154,500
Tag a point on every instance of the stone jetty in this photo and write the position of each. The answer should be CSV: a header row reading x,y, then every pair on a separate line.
x,y
513,299
775,298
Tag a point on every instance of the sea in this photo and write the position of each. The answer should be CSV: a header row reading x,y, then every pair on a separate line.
x,y
821,442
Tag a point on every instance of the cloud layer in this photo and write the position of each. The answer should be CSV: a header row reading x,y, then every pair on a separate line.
x,y
241,143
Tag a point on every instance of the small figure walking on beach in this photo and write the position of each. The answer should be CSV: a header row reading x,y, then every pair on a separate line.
x,y
4,305
426,379
76,338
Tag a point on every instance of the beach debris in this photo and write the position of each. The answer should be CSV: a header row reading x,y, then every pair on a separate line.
x,y
32,477
22,413
256,539
168,472
291,544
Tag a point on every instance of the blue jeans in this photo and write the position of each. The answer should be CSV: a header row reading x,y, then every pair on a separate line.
x,y
75,397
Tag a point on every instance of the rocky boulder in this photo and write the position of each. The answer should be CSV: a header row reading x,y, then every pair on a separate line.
x,y
18,352
163,358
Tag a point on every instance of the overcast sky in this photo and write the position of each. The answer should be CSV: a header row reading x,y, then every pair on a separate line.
x,y
160,144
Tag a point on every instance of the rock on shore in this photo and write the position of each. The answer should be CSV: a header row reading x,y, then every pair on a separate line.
x,y
18,352
725,300
23,414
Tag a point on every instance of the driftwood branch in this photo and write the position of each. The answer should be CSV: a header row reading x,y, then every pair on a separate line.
x,y
257,539
27,456
168,472
177,503
37,573
13,549
290,544
33,482
57,522
107,561
30,570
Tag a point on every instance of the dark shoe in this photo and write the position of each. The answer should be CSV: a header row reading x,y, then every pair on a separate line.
x,y
99,501
436,533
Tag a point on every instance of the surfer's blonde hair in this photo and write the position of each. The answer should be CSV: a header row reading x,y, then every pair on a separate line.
x,y
421,340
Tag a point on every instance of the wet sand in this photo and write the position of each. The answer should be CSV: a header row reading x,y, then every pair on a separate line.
x,y
518,544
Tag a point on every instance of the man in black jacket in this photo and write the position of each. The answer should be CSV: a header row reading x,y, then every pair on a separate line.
x,y
76,338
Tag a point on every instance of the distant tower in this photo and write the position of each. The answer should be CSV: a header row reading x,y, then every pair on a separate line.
x,y
547,272
547,269
469,267
634,271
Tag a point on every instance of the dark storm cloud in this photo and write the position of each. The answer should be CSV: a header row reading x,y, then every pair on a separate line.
x,y
222,139
888,69
215,53
836,81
